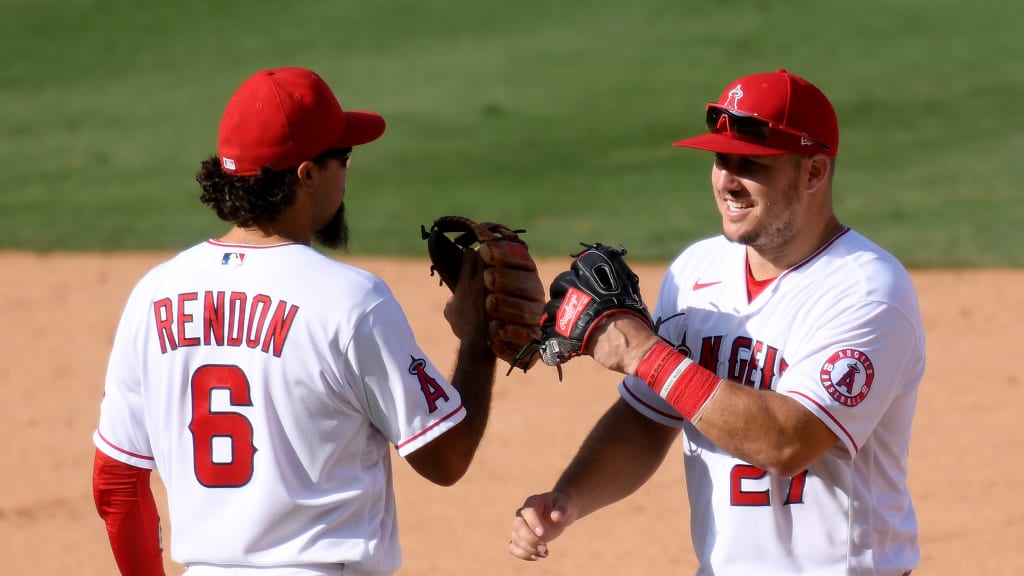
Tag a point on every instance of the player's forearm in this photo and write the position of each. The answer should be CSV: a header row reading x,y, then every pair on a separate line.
x,y
474,379
766,429
447,458
621,453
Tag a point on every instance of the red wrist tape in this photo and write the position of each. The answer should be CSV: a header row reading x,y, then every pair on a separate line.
x,y
683,383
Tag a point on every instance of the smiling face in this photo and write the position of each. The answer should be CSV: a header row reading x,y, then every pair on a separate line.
x,y
760,199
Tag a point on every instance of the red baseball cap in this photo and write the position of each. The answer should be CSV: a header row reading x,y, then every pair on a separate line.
x,y
283,117
769,114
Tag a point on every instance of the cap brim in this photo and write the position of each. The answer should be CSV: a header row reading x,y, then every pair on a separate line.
x,y
725,144
361,127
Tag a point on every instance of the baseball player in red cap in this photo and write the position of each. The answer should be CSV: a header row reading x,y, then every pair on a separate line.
x,y
267,382
789,354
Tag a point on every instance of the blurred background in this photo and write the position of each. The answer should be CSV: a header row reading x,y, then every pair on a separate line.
x,y
557,116
554,115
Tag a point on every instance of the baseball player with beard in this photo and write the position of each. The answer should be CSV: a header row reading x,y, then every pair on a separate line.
x,y
789,354
267,382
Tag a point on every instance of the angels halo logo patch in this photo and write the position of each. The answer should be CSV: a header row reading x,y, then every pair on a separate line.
x,y
847,376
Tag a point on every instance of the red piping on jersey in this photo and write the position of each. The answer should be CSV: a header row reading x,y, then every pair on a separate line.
x,y
121,450
853,442
253,246
431,427
652,408
820,250
830,416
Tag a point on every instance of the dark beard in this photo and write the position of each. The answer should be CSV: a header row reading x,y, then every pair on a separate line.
x,y
334,234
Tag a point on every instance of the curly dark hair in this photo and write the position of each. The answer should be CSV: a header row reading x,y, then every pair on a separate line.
x,y
252,200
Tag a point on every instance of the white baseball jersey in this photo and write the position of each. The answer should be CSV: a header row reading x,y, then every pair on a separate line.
x,y
266,385
841,334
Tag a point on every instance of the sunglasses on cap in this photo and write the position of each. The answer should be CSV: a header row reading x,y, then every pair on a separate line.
x,y
723,120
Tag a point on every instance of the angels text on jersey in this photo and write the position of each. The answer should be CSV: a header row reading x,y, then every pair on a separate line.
x,y
747,361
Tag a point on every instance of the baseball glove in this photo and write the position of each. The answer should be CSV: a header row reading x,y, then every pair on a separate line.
x,y
598,284
515,298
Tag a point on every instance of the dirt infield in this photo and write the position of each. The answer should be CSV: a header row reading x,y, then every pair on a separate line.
x,y
58,317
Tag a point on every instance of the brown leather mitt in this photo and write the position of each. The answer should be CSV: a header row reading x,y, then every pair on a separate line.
x,y
516,296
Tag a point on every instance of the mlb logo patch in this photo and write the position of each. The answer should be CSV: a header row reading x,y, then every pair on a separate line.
x,y
233,259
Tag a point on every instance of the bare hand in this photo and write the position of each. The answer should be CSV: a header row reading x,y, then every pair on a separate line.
x,y
542,518
466,310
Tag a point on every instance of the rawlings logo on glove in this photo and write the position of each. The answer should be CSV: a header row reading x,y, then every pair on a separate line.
x,y
515,299
569,312
598,284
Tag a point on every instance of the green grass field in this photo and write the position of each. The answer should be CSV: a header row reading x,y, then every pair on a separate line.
x,y
554,115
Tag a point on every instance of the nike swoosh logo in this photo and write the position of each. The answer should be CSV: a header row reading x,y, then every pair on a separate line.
x,y
700,286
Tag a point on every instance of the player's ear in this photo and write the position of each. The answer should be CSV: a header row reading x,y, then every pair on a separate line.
x,y
305,173
817,172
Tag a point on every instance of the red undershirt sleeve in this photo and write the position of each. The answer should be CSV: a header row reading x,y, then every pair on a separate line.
x,y
125,502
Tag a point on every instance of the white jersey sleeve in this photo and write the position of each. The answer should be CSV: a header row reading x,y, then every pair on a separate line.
x,y
123,432
834,374
424,405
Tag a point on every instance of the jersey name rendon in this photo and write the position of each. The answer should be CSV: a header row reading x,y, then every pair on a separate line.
x,y
221,319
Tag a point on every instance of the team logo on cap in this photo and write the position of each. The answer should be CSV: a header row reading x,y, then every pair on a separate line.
x,y
847,376
733,98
